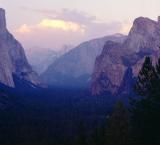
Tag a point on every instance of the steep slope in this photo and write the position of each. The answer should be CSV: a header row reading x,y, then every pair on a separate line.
x,y
13,61
118,65
75,67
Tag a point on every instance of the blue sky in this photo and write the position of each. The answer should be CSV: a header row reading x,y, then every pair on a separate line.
x,y
53,23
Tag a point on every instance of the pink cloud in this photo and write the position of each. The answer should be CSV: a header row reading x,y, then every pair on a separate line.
x,y
65,27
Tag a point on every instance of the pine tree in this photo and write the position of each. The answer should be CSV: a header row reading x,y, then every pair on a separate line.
x,y
95,137
146,78
98,136
146,109
117,132
81,138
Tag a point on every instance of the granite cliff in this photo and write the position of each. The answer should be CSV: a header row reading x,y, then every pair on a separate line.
x,y
13,62
74,68
118,65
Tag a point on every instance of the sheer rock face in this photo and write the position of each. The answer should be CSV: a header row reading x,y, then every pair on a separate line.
x,y
12,58
109,69
144,35
77,65
117,60
2,20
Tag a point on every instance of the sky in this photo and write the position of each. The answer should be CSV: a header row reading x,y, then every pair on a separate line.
x,y
54,23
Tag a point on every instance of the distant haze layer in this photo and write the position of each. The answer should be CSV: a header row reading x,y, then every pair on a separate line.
x,y
52,24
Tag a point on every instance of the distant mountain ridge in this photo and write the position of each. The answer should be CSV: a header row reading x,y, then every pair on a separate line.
x,y
118,65
41,58
75,67
13,61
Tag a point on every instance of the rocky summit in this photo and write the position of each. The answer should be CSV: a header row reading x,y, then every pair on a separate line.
x,y
118,65
13,62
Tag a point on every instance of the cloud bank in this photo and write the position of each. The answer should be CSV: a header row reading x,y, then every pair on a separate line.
x,y
65,27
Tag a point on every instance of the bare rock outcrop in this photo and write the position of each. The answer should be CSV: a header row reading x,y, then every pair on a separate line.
x,y
119,64
13,61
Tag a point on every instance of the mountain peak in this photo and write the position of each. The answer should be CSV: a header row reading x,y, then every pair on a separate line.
x,y
142,35
2,19
13,61
118,65
144,24
142,19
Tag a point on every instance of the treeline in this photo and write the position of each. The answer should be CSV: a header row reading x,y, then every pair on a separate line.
x,y
138,125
